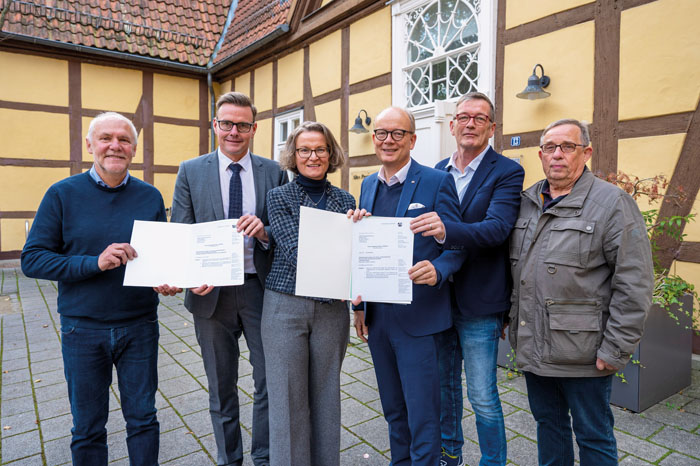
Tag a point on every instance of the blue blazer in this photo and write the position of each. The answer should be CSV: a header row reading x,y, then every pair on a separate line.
x,y
429,312
488,212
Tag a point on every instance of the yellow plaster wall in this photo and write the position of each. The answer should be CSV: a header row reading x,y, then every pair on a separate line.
x,y
373,101
335,178
370,46
325,2
324,64
165,183
691,273
110,88
647,157
263,139
692,229
357,174
521,12
242,84
24,187
530,160
567,58
12,238
174,144
329,115
136,174
263,88
659,59
23,78
87,157
175,97
290,78
222,88
34,135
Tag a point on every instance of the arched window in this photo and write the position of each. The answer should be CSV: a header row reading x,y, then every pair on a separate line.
x,y
442,40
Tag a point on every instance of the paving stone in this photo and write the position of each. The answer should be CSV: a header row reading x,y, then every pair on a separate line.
x,y
676,459
639,448
116,445
56,427
361,392
196,369
353,412
198,458
516,399
53,408
188,357
170,371
678,440
18,423
693,407
49,378
348,439
16,390
46,366
362,455
375,432
209,444
199,423
178,386
632,461
19,375
516,383
51,392
17,405
346,379
522,452
352,364
176,443
523,423
368,377
115,421
15,365
169,420
674,417
190,402
676,401
29,461
21,445
635,424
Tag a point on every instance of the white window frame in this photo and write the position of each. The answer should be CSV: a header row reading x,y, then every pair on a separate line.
x,y
282,119
486,21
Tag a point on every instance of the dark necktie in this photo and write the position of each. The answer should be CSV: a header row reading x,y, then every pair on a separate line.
x,y
235,192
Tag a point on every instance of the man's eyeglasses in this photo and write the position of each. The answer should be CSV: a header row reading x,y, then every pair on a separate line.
x,y
479,120
243,127
305,152
396,134
566,147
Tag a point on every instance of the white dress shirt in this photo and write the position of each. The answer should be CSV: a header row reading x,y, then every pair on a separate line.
x,y
462,179
248,184
398,177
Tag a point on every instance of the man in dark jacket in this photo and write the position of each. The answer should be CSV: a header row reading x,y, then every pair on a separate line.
x,y
583,280
80,238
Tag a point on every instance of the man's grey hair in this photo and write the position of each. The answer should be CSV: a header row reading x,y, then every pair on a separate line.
x,y
336,156
582,126
405,111
112,116
478,96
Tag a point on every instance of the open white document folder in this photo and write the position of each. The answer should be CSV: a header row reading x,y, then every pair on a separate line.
x,y
185,255
339,259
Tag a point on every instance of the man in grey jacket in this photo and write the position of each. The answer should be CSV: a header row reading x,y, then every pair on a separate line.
x,y
583,279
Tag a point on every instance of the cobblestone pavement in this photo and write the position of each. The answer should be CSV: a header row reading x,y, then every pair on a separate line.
x,y
36,422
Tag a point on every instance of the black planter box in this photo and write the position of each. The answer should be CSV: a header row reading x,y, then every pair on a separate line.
x,y
665,356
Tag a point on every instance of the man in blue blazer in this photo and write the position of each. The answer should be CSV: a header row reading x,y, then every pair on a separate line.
x,y
402,337
231,183
489,186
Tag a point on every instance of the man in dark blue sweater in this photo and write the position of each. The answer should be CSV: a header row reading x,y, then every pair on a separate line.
x,y
80,238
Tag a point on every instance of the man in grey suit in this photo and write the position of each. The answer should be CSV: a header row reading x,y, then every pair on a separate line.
x,y
231,183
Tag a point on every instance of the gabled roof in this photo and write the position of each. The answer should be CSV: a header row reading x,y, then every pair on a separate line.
x,y
254,20
180,31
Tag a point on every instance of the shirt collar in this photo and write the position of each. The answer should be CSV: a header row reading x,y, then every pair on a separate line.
x,y
245,162
398,177
473,165
98,179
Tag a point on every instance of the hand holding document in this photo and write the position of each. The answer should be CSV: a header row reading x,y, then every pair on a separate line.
x,y
186,255
340,259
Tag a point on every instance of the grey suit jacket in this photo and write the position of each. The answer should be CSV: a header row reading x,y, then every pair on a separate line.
x,y
197,198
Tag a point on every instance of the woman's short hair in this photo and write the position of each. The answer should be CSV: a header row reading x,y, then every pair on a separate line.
x,y
336,156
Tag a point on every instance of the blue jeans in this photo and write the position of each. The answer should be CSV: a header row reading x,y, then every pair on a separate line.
x,y
588,399
474,340
88,356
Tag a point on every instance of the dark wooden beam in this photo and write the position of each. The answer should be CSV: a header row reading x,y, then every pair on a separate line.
x,y
147,119
345,103
204,118
655,126
75,121
500,60
309,109
689,252
551,23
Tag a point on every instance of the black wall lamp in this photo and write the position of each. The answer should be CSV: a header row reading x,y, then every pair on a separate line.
x,y
535,84
358,127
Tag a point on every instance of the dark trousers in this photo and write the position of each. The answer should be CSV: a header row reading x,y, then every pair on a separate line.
x,y
88,357
238,310
588,401
409,388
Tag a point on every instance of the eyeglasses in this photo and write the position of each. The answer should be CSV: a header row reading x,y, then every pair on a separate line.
x,y
479,120
243,127
305,152
396,134
566,147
